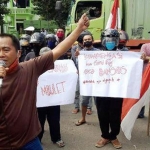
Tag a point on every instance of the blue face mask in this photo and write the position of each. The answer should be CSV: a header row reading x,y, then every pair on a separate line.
x,y
51,44
110,45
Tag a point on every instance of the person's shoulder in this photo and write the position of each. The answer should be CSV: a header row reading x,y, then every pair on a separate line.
x,y
74,46
96,49
30,53
145,47
73,49
83,49
126,49
146,44
123,49
29,56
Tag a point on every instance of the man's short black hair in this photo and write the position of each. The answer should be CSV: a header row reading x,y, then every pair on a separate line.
x,y
83,33
90,35
14,39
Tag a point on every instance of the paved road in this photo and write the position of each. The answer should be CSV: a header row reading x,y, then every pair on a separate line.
x,y
84,137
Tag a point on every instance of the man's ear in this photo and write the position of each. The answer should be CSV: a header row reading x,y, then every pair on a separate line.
x,y
19,53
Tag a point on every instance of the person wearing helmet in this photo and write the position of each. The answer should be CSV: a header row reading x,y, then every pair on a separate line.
x,y
109,108
79,47
123,40
29,30
25,46
110,39
51,41
37,41
88,46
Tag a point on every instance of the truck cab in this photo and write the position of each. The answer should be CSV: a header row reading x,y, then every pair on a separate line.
x,y
97,12
133,15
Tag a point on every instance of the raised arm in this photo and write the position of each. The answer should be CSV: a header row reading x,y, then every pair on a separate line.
x,y
61,48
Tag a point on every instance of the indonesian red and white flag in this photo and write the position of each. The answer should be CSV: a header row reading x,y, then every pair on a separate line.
x,y
114,17
132,107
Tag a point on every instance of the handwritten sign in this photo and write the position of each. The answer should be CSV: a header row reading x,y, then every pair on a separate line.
x,y
110,74
57,86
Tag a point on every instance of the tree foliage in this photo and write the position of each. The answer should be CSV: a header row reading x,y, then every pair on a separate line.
x,y
3,10
46,9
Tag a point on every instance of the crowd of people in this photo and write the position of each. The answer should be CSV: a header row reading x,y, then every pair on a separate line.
x,y
21,123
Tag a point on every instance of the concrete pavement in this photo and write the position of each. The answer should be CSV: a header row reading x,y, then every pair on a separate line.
x,y
85,136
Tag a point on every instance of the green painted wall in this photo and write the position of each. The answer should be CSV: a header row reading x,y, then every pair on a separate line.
x,y
21,18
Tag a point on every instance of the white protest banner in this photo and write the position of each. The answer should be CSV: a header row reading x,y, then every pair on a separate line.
x,y
57,86
110,73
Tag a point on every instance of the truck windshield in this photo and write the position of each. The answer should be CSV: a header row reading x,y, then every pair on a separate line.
x,y
91,8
